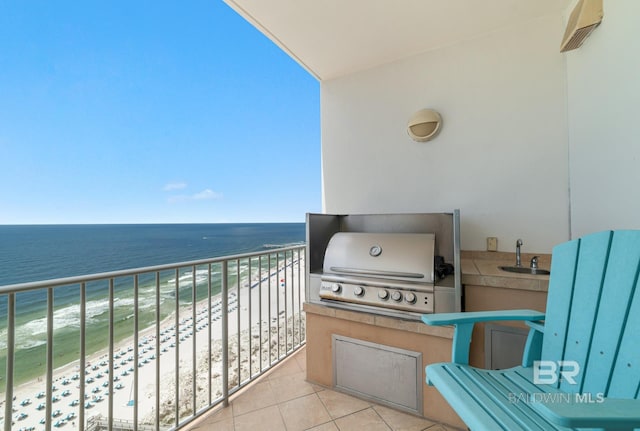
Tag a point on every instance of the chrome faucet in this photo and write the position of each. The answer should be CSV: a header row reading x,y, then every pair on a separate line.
x,y
534,263
518,245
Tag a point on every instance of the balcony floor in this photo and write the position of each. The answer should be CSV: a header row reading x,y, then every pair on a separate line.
x,y
283,400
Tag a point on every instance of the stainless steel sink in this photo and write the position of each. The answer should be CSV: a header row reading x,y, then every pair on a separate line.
x,y
525,270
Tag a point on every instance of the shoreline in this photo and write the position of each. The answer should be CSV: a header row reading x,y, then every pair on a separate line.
x,y
238,320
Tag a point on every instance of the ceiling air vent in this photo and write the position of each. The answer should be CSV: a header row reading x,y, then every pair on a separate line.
x,y
583,20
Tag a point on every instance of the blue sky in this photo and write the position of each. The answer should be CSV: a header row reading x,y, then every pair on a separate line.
x,y
151,112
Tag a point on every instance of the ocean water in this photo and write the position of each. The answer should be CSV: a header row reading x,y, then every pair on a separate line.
x,y
34,253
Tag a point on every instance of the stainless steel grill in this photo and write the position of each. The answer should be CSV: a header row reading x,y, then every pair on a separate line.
x,y
390,264
391,271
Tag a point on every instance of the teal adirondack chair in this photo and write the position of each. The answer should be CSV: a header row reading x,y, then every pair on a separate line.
x,y
589,345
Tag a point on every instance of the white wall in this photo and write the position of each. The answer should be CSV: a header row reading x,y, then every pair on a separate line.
x,y
501,156
604,123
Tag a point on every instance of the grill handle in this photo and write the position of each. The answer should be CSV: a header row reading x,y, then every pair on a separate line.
x,y
376,272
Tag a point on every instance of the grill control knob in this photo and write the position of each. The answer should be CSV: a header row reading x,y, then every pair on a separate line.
x,y
358,291
396,296
383,294
410,297
336,288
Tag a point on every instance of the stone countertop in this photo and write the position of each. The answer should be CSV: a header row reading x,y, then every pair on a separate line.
x,y
482,269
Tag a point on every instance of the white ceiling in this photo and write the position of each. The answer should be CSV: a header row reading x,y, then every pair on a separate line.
x,y
331,38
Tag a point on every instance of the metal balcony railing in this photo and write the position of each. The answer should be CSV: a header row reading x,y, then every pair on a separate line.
x,y
147,348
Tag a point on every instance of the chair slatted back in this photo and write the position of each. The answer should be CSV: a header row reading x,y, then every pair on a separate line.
x,y
593,313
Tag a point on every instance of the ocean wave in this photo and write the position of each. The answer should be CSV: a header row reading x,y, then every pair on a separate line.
x,y
23,343
65,317
144,302
28,343
34,332
123,302
186,278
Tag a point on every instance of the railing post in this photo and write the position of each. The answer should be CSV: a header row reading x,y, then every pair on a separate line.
x,y
177,332
278,302
225,334
49,378
284,296
194,363
157,418
83,363
260,310
209,325
269,308
11,332
238,287
250,328
136,358
300,301
110,376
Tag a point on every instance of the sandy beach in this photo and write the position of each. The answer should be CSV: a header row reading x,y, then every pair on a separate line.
x,y
251,340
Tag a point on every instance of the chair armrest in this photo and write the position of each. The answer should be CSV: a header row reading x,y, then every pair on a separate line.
x,y
464,326
437,319
593,412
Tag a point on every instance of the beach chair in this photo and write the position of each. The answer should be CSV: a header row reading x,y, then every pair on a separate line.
x,y
581,367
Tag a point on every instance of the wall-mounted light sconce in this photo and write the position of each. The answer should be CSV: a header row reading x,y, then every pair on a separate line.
x,y
424,125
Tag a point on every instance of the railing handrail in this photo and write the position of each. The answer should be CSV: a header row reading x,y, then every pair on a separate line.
x,y
65,281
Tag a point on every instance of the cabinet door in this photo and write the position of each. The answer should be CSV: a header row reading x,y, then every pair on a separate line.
x,y
503,346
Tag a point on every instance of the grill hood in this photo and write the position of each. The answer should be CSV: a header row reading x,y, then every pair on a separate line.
x,y
398,256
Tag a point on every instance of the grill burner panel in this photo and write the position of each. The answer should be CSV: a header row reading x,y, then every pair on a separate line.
x,y
387,296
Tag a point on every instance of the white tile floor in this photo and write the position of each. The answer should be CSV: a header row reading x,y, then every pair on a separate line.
x,y
283,400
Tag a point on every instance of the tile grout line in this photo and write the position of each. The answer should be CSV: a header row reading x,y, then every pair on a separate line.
x,y
348,414
333,420
381,418
284,422
302,396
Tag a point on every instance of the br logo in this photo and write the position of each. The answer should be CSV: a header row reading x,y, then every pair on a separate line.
x,y
549,372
